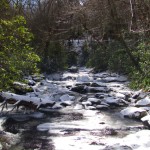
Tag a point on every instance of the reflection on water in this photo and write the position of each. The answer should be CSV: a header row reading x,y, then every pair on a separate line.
x,y
97,123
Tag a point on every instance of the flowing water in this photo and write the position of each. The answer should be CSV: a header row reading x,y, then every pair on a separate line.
x,y
68,128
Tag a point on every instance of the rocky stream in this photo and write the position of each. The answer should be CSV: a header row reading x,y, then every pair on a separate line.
x,y
85,111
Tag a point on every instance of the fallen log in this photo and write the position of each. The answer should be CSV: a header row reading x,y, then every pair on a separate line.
x,y
31,103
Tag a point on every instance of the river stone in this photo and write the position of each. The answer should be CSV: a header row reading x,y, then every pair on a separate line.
x,y
146,121
57,106
136,94
102,107
78,107
114,101
143,102
94,101
73,69
91,108
79,89
98,84
115,79
84,78
102,75
66,103
22,88
44,127
87,103
98,89
67,97
31,82
119,95
101,95
134,112
83,83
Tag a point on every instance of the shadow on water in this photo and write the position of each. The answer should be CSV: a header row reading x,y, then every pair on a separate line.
x,y
30,138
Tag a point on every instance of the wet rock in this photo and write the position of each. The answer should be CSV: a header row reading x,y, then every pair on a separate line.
x,y
44,127
66,103
54,76
136,94
80,89
82,99
102,107
98,89
97,84
90,108
143,102
78,107
57,106
146,121
84,78
67,97
87,103
94,101
31,82
73,69
134,112
115,79
119,95
83,83
102,75
22,88
113,101
101,95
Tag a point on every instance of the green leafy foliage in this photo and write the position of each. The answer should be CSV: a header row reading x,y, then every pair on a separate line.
x,y
55,59
113,56
142,80
98,57
16,55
